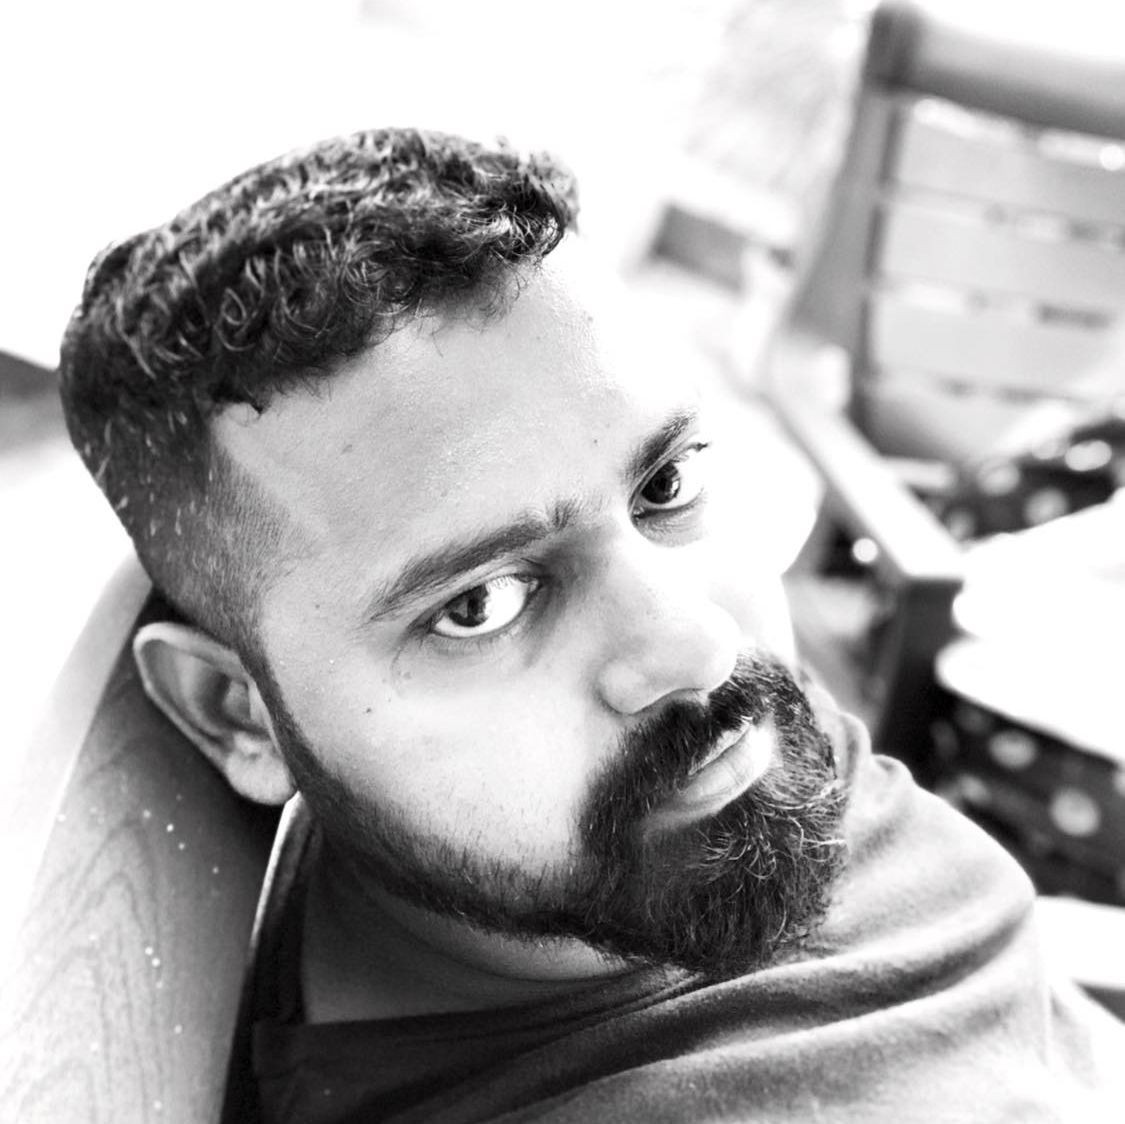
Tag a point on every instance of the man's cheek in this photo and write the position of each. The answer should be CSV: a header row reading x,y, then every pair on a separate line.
x,y
511,795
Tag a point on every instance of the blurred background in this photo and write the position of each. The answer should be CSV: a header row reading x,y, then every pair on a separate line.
x,y
736,159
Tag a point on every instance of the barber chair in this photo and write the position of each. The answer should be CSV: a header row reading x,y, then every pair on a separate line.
x,y
130,901
952,335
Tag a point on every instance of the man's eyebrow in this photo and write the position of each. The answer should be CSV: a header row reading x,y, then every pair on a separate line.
x,y
429,572
656,448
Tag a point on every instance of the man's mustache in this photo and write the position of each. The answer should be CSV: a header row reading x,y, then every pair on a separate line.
x,y
657,757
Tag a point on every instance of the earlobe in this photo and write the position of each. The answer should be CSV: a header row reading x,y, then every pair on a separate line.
x,y
203,689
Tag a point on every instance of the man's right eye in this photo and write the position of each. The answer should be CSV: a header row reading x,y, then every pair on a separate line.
x,y
486,608
675,485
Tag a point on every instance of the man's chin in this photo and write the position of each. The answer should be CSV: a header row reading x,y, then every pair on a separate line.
x,y
730,894
718,841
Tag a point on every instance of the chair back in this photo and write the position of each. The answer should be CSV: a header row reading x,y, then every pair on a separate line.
x,y
131,918
973,256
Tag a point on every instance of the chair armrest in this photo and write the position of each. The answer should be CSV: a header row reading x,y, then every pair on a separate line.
x,y
29,807
914,548
917,560
121,968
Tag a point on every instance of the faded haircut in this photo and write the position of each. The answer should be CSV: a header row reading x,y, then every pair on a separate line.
x,y
266,285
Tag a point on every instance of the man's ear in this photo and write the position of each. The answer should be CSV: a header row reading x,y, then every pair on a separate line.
x,y
205,691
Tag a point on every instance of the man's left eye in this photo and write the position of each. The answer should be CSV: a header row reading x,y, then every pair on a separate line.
x,y
674,485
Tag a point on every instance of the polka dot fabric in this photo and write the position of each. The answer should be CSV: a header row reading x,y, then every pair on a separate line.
x,y
1076,469
1059,809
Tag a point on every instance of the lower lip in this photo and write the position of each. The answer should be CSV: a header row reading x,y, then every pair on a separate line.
x,y
719,782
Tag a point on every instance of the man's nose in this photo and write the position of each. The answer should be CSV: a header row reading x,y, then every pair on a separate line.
x,y
666,637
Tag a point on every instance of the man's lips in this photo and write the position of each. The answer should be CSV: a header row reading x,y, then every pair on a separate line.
x,y
737,760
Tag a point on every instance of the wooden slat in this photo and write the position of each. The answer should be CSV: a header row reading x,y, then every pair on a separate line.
x,y
987,347
1011,172
911,417
923,243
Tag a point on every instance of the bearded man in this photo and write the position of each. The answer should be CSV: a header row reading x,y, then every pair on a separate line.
x,y
465,570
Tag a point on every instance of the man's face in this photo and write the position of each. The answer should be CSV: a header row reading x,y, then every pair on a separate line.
x,y
501,664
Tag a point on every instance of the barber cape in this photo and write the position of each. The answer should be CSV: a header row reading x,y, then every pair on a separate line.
x,y
924,997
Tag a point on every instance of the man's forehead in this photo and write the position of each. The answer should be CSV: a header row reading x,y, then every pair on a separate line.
x,y
448,411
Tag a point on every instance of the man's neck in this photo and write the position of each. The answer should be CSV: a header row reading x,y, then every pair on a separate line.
x,y
366,955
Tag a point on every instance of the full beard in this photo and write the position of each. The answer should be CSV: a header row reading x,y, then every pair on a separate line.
x,y
722,895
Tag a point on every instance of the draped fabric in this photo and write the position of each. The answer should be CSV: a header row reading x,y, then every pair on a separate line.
x,y
923,998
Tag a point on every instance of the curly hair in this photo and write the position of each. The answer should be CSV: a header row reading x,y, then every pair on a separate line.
x,y
272,281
